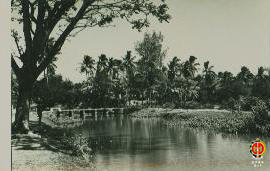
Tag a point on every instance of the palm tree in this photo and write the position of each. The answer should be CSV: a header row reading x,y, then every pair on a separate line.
x,y
87,66
102,64
260,72
50,70
208,70
190,67
129,67
174,74
209,81
110,67
174,68
129,64
186,89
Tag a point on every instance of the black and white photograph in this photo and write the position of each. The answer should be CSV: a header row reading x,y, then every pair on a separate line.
x,y
139,85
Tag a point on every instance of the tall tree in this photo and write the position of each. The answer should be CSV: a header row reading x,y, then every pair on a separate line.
x,y
129,67
245,76
152,53
174,76
129,64
242,86
59,19
175,68
88,66
190,67
209,83
224,88
261,85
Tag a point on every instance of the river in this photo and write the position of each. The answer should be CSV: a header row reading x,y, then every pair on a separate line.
x,y
129,144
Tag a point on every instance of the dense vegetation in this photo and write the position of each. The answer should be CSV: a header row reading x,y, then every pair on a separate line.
x,y
114,81
255,122
43,26
146,80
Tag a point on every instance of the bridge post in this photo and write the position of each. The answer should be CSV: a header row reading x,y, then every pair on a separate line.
x,y
70,114
95,113
81,114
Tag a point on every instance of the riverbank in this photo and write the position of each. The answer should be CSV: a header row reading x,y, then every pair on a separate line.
x,y
208,119
46,148
165,112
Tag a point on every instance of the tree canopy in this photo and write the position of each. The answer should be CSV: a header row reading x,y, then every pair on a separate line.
x,y
46,25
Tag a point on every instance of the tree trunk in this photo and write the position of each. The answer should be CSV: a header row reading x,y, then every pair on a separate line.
x,y
39,120
21,123
39,113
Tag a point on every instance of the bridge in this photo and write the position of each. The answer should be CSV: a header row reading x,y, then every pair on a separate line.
x,y
87,114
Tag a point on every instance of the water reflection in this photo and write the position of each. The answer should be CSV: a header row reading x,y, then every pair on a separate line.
x,y
125,143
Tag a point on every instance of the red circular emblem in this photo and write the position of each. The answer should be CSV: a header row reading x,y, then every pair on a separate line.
x,y
258,148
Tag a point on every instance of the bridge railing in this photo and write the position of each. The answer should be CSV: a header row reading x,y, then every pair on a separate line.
x,y
87,113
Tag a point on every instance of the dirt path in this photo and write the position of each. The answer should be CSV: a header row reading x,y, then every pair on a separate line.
x,y
32,152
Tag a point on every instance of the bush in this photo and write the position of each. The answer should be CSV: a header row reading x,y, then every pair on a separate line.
x,y
268,104
168,105
77,144
231,104
192,105
208,106
131,109
248,102
260,111
261,119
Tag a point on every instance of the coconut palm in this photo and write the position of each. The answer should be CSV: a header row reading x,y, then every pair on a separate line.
x,y
110,67
113,68
50,69
129,64
260,73
208,70
190,67
102,64
209,82
174,68
87,66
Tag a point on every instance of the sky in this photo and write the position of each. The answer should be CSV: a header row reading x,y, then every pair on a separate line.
x,y
228,33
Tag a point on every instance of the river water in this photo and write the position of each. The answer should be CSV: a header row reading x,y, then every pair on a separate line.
x,y
128,144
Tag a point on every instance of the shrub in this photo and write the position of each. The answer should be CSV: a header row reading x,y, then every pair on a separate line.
x,y
168,105
77,144
259,109
268,104
131,109
261,120
231,103
192,105
208,106
248,102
